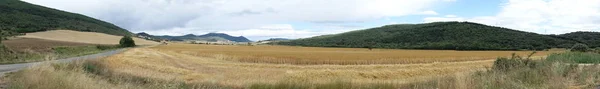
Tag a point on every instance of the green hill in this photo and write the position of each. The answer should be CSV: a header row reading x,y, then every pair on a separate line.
x,y
23,17
437,35
592,39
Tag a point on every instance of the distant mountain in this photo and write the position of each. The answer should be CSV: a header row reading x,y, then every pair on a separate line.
x,y
144,34
23,17
592,39
437,35
277,39
205,37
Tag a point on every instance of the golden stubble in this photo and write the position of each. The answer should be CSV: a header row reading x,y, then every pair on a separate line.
x,y
191,64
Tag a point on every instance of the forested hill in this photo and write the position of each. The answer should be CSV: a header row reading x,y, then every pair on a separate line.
x,y
23,17
437,35
592,39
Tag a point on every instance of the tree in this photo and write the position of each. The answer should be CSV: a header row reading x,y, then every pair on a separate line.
x,y
580,48
126,41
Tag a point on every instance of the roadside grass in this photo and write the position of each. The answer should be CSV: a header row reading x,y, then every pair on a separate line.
x,y
11,57
88,75
524,73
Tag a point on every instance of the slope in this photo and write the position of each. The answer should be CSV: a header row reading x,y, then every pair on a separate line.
x,y
436,35
23,17
592,39
83,37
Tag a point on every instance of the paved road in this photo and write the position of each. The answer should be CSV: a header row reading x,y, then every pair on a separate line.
x,y
15,67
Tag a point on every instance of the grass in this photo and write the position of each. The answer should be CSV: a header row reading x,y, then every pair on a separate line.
x,y
576,57
89,75
10,57
338,56
524,73
156,68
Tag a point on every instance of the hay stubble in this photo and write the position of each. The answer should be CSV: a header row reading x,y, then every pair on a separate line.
x,y
197,64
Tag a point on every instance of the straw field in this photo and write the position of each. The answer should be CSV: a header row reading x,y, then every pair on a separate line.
x,y
194,64
338,56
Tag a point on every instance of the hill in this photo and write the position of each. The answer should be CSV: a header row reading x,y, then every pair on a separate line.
x,y
277,39
205,37
83,37
437,35
23,17
592,39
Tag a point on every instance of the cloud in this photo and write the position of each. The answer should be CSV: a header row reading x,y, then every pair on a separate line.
x,y
169,16
541,16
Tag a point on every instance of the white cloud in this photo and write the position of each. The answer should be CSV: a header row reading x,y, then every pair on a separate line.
x,y
541,16
169,16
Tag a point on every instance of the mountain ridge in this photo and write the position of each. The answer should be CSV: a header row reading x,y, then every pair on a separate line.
x,y
23,17
205,37
437,35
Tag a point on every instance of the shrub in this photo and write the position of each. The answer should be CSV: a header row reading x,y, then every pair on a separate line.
x,y
580,48
514,62
126,41
106,47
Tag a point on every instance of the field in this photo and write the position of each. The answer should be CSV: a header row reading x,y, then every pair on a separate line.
x,y
163,67
37,45
340,56
20,50
83,37
181,62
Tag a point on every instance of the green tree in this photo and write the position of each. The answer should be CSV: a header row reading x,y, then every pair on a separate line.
x,y
126,41
580,48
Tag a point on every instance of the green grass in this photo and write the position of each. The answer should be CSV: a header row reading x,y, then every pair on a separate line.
x,y
575,57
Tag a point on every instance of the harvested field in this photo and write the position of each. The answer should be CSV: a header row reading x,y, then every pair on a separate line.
x,y
37,45
341,56
183,62
83,37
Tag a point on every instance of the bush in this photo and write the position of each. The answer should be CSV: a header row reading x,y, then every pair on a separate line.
x,y
514,62
126,41
580,48
107,47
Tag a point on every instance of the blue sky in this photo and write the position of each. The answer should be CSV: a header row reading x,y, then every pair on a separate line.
x,y
263,19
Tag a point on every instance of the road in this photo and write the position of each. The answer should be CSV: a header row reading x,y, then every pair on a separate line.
x,y
15,67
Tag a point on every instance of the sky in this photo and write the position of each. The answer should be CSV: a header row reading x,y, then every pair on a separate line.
x,y
264,19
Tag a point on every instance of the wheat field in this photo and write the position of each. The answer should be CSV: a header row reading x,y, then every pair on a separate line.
x,y
190,63
338,56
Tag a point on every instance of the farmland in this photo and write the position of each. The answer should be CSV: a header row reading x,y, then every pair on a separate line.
x,y
20,50
83,37
183,62
37,45
340,56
